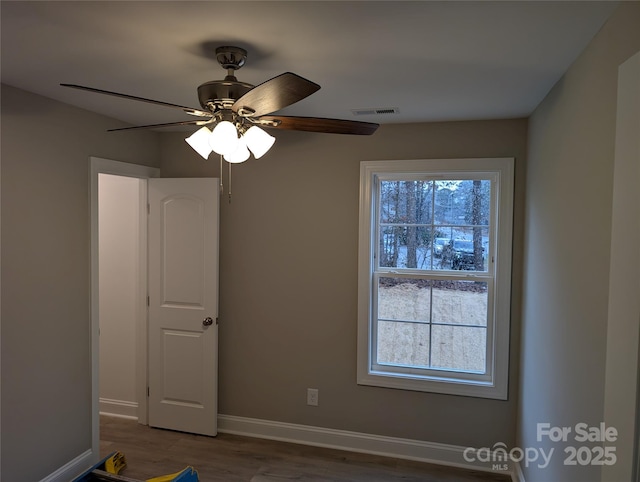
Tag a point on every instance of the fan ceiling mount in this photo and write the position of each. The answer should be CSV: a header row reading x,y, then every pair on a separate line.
x,y
245,105
231,57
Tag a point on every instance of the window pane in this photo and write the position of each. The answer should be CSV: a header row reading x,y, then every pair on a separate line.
x,y
432,323
401,343
461,248
406,341
459,348
406,202
404,299
462,202
460,302
405,247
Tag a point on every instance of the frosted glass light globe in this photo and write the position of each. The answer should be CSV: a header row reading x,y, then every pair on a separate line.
x,y
241,153
199,141
258,141
224,138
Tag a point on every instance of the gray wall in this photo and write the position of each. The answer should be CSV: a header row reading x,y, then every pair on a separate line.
x,y
568,231
288,281
46,359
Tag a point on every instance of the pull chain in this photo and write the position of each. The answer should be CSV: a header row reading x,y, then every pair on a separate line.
x,y
221,184
229,181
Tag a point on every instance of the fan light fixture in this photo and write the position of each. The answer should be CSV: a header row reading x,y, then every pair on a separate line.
x,y
258,141
224,138
240,154
230,142
199,141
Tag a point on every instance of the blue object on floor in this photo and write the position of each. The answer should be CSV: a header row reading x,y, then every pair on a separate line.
x,y
98,473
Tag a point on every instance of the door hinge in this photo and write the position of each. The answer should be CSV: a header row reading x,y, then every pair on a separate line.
x,y
148,208
147,391
147,300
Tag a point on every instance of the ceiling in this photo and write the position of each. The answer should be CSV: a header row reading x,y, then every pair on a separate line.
x,y
432,61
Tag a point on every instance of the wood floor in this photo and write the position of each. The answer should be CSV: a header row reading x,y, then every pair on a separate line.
x,y
231,458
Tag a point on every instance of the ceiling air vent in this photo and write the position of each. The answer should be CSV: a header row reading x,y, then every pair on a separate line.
x,y
375,111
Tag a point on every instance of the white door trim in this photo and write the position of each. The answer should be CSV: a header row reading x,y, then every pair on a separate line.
x,y
107,166
623,332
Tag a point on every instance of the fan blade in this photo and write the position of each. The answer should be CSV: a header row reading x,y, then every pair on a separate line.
x,y
275,94
188,110
169,124
318,124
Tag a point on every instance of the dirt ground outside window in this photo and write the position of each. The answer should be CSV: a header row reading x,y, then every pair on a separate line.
x,y
414,342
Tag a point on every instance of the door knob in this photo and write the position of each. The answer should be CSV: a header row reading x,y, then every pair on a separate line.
x,y
208,321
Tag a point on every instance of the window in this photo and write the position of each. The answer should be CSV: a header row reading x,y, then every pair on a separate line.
x,y
435,275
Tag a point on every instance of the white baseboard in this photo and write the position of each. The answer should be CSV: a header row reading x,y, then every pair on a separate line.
x,y
119,408
516,474
71,469
429,452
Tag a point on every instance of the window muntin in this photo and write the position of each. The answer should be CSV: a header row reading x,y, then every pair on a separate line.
x,y
433,319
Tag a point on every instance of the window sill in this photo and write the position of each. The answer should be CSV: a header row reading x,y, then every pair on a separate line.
x,y
447,386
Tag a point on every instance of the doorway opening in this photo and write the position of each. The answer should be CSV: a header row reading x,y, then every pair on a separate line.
x,y
121,293
118,264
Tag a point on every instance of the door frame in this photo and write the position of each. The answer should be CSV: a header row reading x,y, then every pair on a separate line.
x,y
98,166
622,370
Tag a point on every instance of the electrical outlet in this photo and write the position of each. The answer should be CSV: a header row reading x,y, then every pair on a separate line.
x,y
312,396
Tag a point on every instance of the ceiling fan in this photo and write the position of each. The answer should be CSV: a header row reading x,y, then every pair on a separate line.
x,y
236,111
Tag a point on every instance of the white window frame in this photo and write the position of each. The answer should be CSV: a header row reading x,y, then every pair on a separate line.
x,y
492,384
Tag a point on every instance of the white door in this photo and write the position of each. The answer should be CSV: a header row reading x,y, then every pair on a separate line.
x,y
183,304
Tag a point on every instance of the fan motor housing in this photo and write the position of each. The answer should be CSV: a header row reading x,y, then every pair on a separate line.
x,y
221,91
